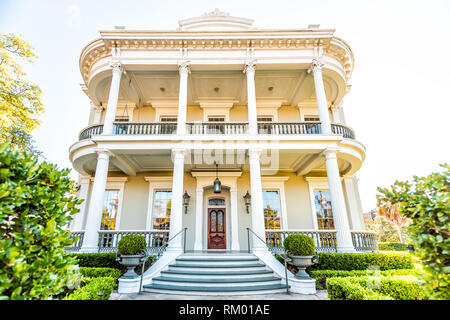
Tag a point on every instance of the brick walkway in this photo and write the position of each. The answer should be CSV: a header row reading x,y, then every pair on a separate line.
x,y
320,295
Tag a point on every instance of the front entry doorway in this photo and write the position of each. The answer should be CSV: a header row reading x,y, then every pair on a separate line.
x,y
216,228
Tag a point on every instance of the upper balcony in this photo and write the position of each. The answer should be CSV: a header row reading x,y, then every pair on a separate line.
x,y
217,128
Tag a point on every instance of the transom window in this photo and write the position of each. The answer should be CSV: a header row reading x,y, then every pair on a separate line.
x,y
272,212
110,210
265,118
162,205
168,119
122,119
216,202
324,212
312,118
216,119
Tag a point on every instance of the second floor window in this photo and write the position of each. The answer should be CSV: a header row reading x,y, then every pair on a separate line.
x,y
162,205
263,126
312,118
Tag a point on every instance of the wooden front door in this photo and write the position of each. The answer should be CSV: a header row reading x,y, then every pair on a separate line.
x,y
216,228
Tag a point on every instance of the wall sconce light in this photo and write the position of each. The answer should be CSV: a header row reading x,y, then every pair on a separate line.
x,y
247,200
186,199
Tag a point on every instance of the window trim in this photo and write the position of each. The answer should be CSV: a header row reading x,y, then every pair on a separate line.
x,y
157,183
116,183
277,184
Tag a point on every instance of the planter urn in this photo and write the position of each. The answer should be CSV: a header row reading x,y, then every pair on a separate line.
x,y
131,262
302,262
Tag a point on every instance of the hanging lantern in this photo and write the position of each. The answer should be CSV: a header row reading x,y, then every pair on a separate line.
x,y
217,183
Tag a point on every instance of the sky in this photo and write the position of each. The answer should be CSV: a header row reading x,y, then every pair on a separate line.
x,y
398,105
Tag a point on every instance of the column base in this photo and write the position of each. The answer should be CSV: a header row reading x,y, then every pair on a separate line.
x,y
89,250
346,250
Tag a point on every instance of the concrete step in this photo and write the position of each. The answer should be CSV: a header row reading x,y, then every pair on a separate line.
x,y
216,290
205,274
208,282
216,267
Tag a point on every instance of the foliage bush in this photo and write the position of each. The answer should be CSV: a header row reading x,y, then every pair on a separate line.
x,y
362,261
426,201
344,289
36,203
299,245
321,276
392,246
100,272
132,244
95,289
395,287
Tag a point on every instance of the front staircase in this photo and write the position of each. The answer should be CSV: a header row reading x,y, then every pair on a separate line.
x,y
217,274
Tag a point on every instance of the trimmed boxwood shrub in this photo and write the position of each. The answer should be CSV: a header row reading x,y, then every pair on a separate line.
x,y
299,245
392,246
95,289
132,244
100,272
395,287
343,289
362,261
321,276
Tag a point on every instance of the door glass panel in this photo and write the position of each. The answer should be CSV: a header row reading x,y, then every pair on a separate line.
x,y
272,212
324,212
220,221
110,209
213,221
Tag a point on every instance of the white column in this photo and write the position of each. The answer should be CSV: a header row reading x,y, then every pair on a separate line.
x,y
77,223
182,100
97,113
94,218
321,97
249,70
234,220
343,235
113,97
353,204
198,243
256,200
176,213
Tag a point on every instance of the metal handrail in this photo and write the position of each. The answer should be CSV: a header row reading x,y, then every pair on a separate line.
x,y
147,254
284,258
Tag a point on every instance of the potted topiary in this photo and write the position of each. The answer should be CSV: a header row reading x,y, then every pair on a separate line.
x,y
300,249
130,253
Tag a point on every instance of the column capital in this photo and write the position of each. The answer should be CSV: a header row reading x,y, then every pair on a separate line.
x,y
116,66
103,153
330,153
254,152
250,66
184,67
316,65
178,153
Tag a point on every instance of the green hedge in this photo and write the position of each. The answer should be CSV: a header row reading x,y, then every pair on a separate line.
x,y
362,261
100,272
375,288
322,275
343,289
95,289
392,246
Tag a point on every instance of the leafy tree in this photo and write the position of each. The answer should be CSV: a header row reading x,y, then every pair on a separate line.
x,y
36,204
20,101
392,214
385,230
425,200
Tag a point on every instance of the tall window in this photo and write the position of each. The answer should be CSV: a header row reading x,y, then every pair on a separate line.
x,y
162,205
324,212
110,209
272,212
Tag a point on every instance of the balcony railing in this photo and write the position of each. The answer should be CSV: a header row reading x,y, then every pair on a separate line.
x,y
324,240
109,239
216,128
76,246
